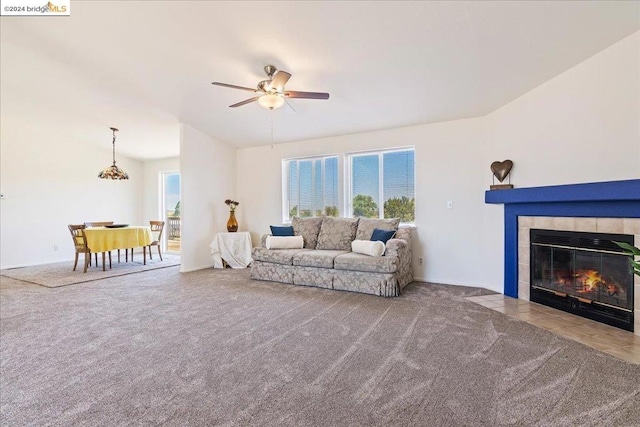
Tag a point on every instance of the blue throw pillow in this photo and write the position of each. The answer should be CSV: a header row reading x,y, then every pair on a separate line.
x,y
382,235
281,231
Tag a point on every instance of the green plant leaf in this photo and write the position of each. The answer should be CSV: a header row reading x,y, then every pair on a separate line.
x,y
627,247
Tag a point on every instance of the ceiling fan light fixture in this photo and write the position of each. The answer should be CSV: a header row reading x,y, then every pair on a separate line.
x,y
271,93
271,101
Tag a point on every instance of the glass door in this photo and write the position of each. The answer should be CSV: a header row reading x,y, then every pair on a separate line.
x,y
170,207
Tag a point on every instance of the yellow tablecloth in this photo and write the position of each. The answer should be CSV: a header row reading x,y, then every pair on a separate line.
x,y
102,239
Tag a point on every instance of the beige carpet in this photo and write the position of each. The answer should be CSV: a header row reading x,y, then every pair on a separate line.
x,y
62,274
213,348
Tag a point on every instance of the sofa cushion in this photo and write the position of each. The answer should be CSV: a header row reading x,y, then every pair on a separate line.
x,y
308,228
382,235
317,258
276,256
368,247
281,230
337,233
359,262
367,225
284,242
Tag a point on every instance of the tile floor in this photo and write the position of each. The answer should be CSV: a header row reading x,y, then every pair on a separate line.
x,y
622,344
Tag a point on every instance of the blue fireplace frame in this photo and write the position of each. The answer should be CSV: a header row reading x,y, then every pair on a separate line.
x,y
611,199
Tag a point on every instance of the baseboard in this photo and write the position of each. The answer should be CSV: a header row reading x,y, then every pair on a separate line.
x,y
189,270
446,282
9,267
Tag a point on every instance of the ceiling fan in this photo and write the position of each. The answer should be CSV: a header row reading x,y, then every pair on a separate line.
x,y
271,91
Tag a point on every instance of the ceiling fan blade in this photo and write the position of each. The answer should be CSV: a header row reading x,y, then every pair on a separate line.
x,y
280,78
308,95
236,87
246,101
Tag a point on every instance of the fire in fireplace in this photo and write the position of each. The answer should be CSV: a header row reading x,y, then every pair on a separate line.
x,y
583,273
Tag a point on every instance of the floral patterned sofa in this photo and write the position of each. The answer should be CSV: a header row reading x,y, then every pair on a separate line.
x,y
326,260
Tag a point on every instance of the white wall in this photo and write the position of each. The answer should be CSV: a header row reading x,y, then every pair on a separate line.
x,y
208,175
152,185
581,126
50,180
54,141
446,154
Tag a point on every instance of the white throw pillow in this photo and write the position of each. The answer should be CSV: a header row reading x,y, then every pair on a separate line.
x,y
367,247
284,242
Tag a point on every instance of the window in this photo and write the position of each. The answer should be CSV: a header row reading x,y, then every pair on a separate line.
x,y
382,184
310,187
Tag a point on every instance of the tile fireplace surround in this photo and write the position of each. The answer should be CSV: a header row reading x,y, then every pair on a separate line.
x,y
603,207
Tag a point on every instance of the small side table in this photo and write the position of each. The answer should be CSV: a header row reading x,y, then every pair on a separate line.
x,y
234,249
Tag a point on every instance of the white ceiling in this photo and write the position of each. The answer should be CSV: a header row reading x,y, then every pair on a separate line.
x,y
149,65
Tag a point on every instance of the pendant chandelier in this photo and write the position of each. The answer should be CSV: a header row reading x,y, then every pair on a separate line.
x,y
113,171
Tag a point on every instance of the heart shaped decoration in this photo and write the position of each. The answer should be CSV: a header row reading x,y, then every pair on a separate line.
x,y
501,169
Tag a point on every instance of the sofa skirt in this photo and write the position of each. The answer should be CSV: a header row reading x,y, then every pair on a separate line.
x,y
272,272
312,276
382,284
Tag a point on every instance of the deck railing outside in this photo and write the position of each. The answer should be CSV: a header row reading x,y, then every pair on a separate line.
x,y
174,227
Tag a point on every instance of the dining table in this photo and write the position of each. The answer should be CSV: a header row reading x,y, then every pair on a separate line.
x,y
107,239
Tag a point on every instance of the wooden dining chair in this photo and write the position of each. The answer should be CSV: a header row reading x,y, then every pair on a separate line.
x,y
101,224
80,244
156,232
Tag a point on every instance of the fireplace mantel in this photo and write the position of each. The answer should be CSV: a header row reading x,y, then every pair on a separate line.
x,y
612,199
590,192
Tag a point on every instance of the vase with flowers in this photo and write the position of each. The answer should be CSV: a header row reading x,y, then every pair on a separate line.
x,y
232,223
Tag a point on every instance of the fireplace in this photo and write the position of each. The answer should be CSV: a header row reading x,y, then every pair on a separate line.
x,y
602,207
586,274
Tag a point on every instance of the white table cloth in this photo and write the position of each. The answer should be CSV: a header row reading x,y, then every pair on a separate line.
x,y
233,248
